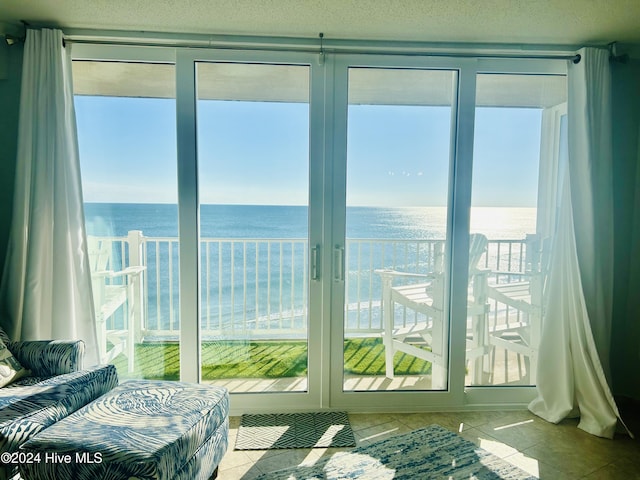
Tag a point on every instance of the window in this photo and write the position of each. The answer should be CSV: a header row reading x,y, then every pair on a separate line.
x,y
127,139
515,167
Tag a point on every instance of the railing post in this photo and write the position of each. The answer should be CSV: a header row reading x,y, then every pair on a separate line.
x,y
135,240
387,321
480,327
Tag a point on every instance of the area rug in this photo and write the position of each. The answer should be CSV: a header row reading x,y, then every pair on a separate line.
x,y
429,453
294,430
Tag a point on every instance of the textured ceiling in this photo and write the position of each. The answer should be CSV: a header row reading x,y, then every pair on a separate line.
x,y
569,22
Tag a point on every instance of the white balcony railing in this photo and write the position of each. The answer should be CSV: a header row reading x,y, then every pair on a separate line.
x,y
258,288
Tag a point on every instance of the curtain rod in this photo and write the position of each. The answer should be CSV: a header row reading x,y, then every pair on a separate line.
x,y
344,51
320,46
307,45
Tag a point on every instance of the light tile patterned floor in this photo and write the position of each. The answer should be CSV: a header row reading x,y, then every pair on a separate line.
x,y
548,451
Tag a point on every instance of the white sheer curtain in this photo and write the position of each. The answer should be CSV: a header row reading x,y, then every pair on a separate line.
x,y
574,348
46,283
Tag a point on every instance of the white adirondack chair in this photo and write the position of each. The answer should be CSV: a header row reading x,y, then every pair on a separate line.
x,y
428,298
113,290
522,292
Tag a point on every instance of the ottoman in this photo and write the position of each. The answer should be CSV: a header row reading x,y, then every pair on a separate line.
x,y
142,429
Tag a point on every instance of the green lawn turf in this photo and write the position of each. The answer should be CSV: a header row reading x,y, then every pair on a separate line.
x,y
263,359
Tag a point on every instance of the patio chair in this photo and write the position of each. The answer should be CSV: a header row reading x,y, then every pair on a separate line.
x,y
517,301
113,291
428,340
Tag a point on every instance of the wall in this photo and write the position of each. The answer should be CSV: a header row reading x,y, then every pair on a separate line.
x,y
625,335
9,108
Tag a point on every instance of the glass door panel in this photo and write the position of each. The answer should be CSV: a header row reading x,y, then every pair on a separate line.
x,y
517,155
253,173
396,328
127,139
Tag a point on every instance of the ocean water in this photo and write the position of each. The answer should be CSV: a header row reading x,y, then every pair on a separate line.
x,y
266,221
250,282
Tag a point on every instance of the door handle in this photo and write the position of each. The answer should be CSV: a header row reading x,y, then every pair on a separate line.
x,y
338,263
315,262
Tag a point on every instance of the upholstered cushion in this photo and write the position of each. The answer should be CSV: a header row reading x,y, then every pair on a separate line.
x,y
46,358
31,404
10,368
142,429
207,458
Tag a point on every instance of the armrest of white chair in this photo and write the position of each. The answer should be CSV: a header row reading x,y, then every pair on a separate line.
x,y
129,271
134,270
389,273
499,277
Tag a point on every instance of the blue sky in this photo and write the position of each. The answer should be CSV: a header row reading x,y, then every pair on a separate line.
x,y
255,153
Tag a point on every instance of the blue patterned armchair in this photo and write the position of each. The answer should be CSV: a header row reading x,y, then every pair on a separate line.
x,y
51,386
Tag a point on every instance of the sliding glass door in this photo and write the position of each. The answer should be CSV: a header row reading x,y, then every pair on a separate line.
x,y
517,157
396,326
356,231
444,212
253,171
395,138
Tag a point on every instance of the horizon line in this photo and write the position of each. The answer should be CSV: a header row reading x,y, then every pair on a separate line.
x,y
300,205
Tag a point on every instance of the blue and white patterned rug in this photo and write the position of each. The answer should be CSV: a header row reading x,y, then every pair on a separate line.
x,y
429,453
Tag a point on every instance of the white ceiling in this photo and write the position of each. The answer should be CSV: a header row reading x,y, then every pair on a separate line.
x,y
560,22
290,83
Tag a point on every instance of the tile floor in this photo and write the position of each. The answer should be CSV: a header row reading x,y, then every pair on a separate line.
x,y
545,450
